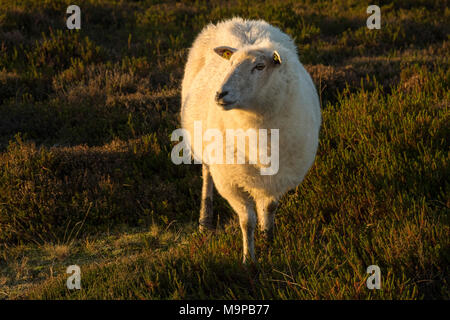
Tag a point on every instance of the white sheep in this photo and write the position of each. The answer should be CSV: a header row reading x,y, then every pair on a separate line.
x,y
245,74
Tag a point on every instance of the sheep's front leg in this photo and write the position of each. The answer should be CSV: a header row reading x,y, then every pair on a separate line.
x,y
244,207
206,209
247,220
266,215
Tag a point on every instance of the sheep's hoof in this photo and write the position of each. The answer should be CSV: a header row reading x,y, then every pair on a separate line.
x,y
267,237
206,228
249,263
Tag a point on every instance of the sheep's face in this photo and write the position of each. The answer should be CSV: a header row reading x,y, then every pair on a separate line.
x,y
248,74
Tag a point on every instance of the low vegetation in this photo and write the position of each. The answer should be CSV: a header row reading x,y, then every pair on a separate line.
x,y
86,177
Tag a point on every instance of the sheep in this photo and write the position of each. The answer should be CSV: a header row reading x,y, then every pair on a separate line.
x,y
246,74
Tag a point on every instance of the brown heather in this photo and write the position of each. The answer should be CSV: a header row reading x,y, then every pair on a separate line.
x,y
86,176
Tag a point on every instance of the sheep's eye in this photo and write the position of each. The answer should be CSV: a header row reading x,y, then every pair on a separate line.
x,y
259,66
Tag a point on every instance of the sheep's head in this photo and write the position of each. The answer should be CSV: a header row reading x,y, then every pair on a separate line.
x,y
249,72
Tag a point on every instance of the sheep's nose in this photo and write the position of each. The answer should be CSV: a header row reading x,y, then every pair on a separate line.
x,y
220,95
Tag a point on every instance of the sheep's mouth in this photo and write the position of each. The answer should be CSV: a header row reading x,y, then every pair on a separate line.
x,y
226,104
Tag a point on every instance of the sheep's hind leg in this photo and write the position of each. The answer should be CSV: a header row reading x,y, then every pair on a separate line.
x,y
206,210
266,215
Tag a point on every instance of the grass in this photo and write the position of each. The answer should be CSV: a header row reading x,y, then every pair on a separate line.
x,y
86,176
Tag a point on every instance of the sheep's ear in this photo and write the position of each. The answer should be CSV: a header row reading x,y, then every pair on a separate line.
x,y
225,52
276,58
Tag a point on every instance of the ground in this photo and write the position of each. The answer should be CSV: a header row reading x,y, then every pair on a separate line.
x,y
86,177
